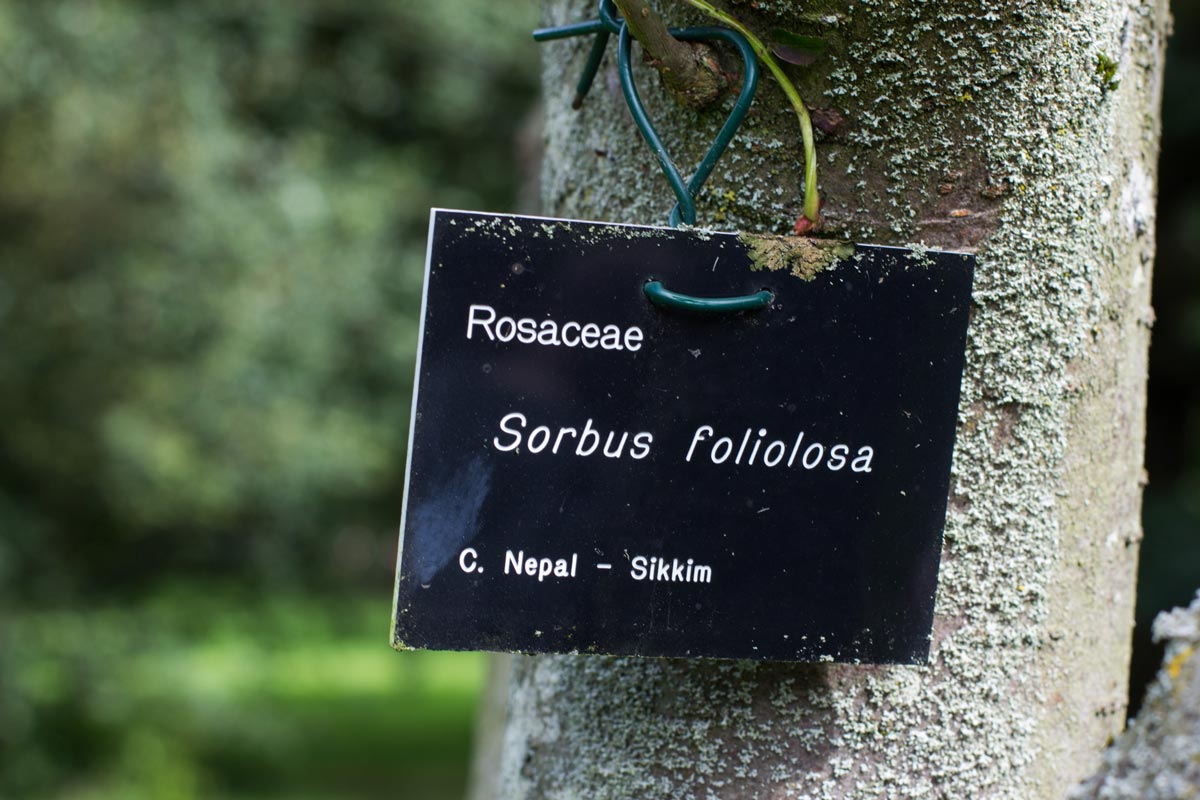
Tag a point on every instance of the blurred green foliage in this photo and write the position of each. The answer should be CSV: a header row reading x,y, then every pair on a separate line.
x,y
212,233
212,221
205,693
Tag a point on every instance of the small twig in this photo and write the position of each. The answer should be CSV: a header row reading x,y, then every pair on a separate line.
x,y
812,201
690,71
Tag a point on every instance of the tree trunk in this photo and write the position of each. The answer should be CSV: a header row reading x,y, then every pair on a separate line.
x,y
960,124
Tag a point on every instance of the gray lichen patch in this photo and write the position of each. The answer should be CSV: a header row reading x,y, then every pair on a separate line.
x,y
800,256
1158,756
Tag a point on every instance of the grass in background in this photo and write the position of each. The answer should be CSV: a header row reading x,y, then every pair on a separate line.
x,y
196,693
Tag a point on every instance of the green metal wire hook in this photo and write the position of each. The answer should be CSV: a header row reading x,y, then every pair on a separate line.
x,y
607,23
685,208
607,19
662,296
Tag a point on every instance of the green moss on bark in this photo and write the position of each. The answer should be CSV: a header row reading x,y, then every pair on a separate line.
x,y
800,256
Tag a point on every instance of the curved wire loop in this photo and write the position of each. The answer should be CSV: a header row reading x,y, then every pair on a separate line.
x,y
662,296
685,207
609,22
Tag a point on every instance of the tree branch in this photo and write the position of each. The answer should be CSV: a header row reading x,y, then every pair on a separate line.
x,y
690,71
1158,755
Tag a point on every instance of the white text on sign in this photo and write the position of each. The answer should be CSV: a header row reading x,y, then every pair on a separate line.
x,y
483,321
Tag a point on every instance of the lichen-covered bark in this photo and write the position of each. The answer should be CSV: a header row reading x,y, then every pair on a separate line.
x,y
1158,756
963,124
489,729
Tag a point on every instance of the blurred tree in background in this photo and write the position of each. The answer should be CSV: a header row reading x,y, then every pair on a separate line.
x,y
212,223
212,229
212,235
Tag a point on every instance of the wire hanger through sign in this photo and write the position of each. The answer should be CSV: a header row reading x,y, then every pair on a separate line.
x,y
684,211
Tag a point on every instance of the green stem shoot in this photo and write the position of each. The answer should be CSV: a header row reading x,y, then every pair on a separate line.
x,y
812,202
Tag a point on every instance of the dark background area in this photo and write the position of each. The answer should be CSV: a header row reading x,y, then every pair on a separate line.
x,y
1169,572
212,228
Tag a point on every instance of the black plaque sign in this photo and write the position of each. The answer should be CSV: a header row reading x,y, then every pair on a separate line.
x,y
592,473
